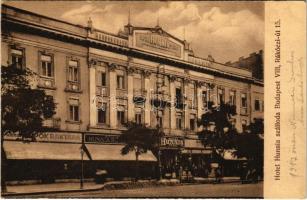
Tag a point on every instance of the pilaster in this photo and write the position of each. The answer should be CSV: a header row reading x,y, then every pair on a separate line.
x,y
113,103
147,85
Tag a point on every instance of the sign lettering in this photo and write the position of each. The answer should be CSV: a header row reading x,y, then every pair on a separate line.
x,y
157,43
172,142
101,139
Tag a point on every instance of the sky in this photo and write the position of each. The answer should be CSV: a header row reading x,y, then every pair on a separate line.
x,y
225,30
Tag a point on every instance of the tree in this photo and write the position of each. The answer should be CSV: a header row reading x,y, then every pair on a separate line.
x,y
23,107
222,135
139,139
251,146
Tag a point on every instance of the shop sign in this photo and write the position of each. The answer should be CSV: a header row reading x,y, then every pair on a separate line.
x,y
49,137
101,139
59,137
158,44
172,142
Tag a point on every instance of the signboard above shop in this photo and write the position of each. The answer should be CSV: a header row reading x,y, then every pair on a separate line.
x,y
65,137
172,142
158,43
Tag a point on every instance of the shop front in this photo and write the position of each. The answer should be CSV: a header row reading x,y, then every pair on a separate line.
x,y
58,155
170,156
196,160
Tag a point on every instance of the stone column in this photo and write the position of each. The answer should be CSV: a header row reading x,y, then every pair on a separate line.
x,y
92,93
173,98
130,94
113,102
147,102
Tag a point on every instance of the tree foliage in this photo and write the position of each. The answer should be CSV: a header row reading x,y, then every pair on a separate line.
x,y
139,139
223,134
24,108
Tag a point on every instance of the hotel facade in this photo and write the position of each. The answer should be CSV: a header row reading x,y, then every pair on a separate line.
x,y
100,81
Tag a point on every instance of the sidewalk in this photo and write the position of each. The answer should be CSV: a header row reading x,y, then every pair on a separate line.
x,y
52,187
91,186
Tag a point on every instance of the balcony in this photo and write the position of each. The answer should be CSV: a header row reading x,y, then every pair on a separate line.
x,y
53,123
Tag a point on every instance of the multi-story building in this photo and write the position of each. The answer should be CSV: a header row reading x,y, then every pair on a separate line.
x,y
100,81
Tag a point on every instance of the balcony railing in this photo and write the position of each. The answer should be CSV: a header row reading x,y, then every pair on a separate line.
x,y
111,39
199,61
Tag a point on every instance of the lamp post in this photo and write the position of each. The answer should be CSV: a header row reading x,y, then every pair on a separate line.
x,y
159,129
82,167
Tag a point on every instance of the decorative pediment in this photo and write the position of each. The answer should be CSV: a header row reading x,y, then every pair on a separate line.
x,y
156,40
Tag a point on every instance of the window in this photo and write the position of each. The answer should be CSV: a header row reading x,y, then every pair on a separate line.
x,y
192,122
103,77
243,100
244,124
220,96
73,71
192,93
179,121
121,117
138,118
160,119
17,58
74,110
120,82
46,66
257,105
102,113
205,98
232,98
178,96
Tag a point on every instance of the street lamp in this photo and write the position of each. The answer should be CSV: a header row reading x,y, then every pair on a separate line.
x,y
158,87
82,176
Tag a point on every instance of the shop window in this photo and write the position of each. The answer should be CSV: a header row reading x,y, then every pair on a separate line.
x,y
46,65
17,58
232,98
74,110
102,113
257,105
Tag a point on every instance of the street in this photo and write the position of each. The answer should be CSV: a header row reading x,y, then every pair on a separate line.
x,y
200,190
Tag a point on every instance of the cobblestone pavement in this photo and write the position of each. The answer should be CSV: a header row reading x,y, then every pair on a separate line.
x,y
201,190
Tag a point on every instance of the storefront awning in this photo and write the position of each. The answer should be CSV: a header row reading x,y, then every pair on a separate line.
x,y
17,150
113,152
